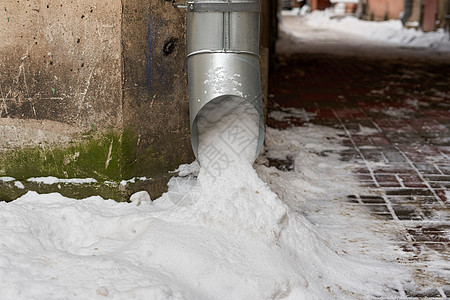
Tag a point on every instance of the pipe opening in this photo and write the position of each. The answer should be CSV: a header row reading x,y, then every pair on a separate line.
x,y
227,129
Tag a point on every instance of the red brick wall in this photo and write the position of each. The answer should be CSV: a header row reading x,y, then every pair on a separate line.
x,y
320,4
430,12
379,9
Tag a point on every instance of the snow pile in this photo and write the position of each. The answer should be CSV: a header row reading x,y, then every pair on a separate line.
x,y
232,193
53,180
390,32
316,187
233,239
17,184
287,113
7,179
306,145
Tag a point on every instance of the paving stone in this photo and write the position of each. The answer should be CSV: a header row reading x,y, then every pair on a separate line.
x,y
439,140
349,155
385,216
399,137
362,170
368,184
426,125
385,180
395,169
431,233
447,291
443,178
445,169
437,114
429,293
407,105
439,184
406,191
391,126
426,168
406,212
282,164
365,177
372,199
412,180
426,201
393,155
363,140
442,193
379,141
352,199
373,155
378,209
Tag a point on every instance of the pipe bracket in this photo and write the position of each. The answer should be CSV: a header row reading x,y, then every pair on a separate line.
x,y
223,7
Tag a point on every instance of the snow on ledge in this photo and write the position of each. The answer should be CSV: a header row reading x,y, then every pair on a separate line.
x,y
54,180
7,179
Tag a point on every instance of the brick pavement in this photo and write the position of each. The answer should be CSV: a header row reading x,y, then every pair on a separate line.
x,y
395,115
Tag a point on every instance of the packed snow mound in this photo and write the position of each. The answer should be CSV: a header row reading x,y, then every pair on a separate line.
x,y
217,234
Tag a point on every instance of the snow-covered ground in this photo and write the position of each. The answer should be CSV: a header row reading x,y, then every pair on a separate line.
x,y
389,32
287,236
228,230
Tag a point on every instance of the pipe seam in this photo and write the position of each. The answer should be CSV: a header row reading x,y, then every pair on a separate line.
x,y
222,51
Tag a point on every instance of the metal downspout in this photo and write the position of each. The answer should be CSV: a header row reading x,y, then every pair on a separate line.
x,y
407,11
223,57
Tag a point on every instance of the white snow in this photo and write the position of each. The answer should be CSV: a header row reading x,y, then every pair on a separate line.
x,y
286,113
389,32
133,180
19,185
7,179
140,197
234,239
317,186
367,130
54,180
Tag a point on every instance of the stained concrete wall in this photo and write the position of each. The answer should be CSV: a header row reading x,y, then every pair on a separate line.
x,y
61,61
416,13
443,10
92,89
155,96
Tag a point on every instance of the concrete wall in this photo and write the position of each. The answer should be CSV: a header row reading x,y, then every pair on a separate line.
x,y
155,96
429,15
61,61
443,10
416,14
92,89
433,14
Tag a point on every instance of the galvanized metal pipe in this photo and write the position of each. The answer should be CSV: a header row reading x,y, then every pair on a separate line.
x,y
223,57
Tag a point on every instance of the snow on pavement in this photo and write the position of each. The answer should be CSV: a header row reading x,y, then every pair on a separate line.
x,y
235,239
389,32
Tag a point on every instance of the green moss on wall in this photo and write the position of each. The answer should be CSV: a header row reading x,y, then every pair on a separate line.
x,y
96,156
111,156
